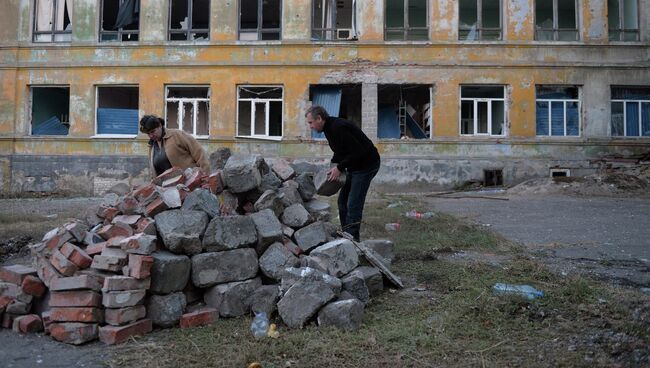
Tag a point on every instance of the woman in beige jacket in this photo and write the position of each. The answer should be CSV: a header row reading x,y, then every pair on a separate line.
x,y
171,147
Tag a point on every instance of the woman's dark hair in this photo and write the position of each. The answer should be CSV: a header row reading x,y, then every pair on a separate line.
x,y
150,122
317,110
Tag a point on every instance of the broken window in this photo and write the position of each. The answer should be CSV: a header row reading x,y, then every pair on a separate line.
x,y
406,20
50,110
259,111
482,110
259,19
189,20
404,111
631,111
558,111
52,20
479,20
117,110
339,100
119,20
333,20
556,20
623,20
188,109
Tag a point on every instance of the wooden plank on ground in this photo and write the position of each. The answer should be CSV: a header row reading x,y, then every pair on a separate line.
x,y
370,256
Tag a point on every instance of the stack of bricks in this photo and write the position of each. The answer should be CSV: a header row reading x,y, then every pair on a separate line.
x,y
98,277
19,285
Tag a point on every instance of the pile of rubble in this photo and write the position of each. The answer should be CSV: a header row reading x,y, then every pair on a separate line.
x,y
189,248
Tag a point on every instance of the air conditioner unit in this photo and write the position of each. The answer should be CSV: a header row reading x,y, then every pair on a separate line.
x,y
345,34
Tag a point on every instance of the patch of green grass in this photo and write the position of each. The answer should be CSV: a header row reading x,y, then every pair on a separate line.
x,y
451,319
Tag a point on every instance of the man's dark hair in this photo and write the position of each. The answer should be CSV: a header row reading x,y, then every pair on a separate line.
x,y
150,122
317,110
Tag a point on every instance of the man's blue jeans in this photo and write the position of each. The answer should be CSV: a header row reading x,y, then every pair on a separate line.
x,y
352,198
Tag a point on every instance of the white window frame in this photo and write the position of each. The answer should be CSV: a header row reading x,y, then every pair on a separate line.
x,y
476,101
564,101
97,87
254,101
625,102
182,101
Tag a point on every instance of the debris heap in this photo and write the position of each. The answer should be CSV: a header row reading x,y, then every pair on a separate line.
x,y
189,248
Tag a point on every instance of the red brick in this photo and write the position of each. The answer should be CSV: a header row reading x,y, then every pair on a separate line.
x,y
130,220
122,299
108,213
32,285
77,283
173,181
75,298
8,320
155,207
28,324
144,192
194,178
46,271
146,225
129,206
121,316
140,266
140,244
201,317
94,249
74,332
120,283
117,334
62,264
15,273
116,242
293,248
77,314
76,255
171,173
215,182
56,237
45,317
113,230
5,301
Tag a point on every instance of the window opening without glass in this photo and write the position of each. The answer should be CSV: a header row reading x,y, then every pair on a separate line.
x,y
404,111
189,20
406,20
52,21
333,20
117,110
260,20
492,178
556,20
119,20
479,20
50,110
188,109
623,19
557,111
482,110
630,111
259,111
339,100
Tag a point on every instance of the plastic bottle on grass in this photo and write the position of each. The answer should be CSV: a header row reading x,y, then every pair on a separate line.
x,y
260,325
526,291
393,226
415,214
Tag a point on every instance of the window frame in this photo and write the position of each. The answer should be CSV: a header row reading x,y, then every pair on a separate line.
x,y
120,32
475,101
640,103
556,29
99,135
335,30
189,31
406,28
479,23
621,19
53,32
31,109
194,100
267,103
564,109
259,29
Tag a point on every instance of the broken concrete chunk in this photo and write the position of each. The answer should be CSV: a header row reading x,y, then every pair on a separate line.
x,y
231,232
181,231
232,299
292,275
339,255
242,173
166,310
289,194
306,186
219,267
265,299
372,277
202,200
344,314
302,301
311,236
281,168
383,248
296,216
275,260
269,200
268,227
319,210
355,284
326,187
169,273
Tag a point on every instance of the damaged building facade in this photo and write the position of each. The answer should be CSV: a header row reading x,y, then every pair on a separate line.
x,y
450,91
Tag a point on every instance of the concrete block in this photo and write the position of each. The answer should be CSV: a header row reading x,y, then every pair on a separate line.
x,y
232,299
231,232
220,267
166,310
181,231
170,272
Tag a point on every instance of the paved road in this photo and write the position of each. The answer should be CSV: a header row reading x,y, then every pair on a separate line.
x,y
614,232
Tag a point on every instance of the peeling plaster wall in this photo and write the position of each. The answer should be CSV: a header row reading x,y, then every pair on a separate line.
x,y
223,63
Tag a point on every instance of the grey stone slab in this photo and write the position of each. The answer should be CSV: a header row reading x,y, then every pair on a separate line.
x,y
232,299
344,314
231,232
242,173
275,260
181,231
311,236
302,301
340,256
169,273
202,200
295,216
220,267
166,310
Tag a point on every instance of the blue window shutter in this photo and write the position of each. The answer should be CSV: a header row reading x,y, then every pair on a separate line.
x,y
388,124
330,98
51,126
117,121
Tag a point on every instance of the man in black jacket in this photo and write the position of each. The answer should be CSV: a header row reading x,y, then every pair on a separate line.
x,y
354,154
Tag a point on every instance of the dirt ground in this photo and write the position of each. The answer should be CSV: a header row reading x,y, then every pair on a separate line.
x,y
571,226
